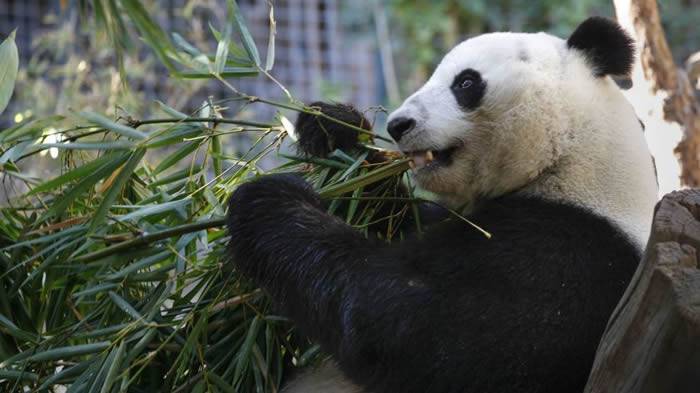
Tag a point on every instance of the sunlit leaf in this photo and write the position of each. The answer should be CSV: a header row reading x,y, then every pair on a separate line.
x,y
120,129
9,66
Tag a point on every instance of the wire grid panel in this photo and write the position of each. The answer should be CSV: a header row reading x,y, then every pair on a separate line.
x,y
314,57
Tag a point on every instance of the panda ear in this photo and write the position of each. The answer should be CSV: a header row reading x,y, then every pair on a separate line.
x,y
606,45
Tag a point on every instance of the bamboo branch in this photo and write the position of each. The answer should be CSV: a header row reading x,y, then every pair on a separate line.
x,y
150,238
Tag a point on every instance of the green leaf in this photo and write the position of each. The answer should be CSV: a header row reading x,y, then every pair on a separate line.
x,y
120,129
124,305
30,130
65,374
176,157
220,383
69,197
181,42
222,50
18,375
239,54
69,352
95,289
115,189
114,368
227,72
143,264
115,145
13,330
245,349
150,210
151,32
175,134
170,110
235,16
77,173
9,66
270,58
374,176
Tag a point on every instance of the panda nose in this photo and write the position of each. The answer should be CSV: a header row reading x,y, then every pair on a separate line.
x,y
399,126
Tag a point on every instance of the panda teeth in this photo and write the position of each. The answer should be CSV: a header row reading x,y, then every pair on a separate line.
x,y
421,159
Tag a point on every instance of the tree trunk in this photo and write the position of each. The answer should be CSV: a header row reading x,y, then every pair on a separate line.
x,y
652,342
641,17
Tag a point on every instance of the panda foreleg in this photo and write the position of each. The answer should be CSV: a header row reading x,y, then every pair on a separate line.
x,y
341,290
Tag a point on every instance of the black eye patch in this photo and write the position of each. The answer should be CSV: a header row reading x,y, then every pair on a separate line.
x,y
468,88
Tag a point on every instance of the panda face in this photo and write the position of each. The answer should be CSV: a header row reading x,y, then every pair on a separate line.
x,y
490,118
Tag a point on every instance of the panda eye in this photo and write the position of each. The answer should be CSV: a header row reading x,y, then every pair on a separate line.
x,y
466,83
468,88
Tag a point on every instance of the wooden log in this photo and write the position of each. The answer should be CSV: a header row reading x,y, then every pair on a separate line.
x,y
652,341
643,19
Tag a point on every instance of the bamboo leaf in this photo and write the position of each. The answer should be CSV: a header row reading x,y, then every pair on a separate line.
x,y
235,16
220,383
30,130
69,351
392,169
65,374
99,378
151,210
222,50
120,129
270,58
143,264
226,72
115,189
9,67
124,305
95,289
171,111
239,54
245,349
88,182
151,32
18,375
73,175
175,157
13,330
115,145
114,368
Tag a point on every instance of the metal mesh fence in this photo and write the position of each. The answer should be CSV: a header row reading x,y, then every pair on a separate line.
x,y
315,58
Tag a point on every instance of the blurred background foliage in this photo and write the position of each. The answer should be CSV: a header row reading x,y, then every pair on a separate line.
x,y
130,125
68,64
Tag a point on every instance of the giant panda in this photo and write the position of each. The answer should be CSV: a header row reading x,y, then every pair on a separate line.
x,y
530,135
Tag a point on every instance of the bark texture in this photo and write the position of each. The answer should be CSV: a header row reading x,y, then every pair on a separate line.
x,y
681,105
652,342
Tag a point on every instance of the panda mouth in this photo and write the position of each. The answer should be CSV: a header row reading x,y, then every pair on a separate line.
x,y
423,159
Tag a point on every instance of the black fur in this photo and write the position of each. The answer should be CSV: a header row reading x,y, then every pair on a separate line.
x,y
468,97
319,136
606,45
450,312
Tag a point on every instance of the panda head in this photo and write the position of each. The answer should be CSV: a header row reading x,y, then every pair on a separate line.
x,y
503,108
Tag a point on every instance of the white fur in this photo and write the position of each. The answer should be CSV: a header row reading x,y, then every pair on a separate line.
x,y
545,127
326,378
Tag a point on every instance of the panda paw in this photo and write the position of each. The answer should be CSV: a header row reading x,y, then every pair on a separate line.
x,y
261,205
319,136
260,212
267,195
